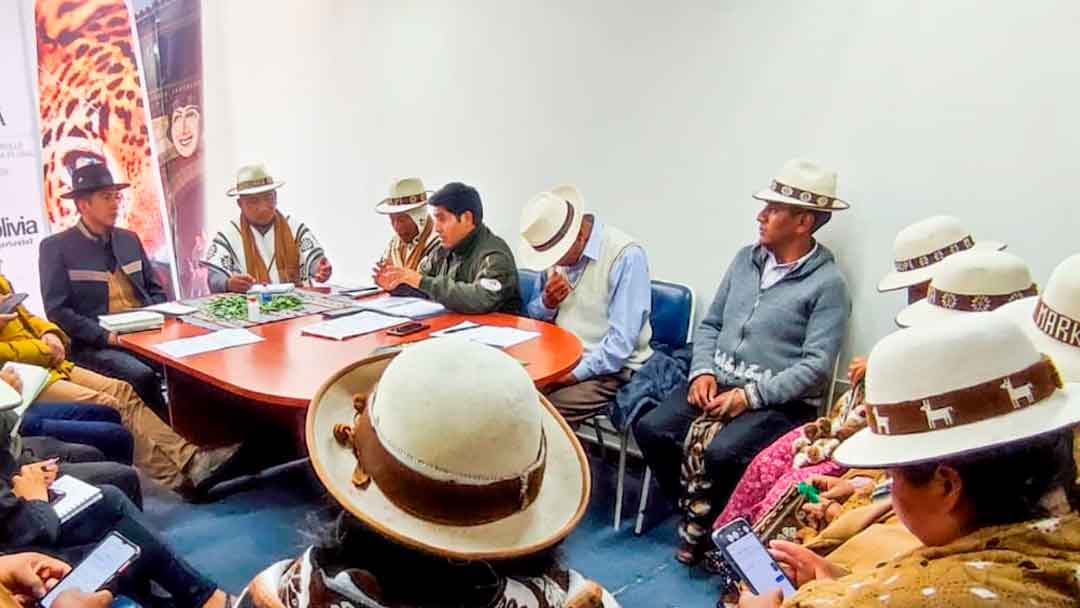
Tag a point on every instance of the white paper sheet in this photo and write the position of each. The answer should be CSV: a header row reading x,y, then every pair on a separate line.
x,y
492,335
218,340
175,309
353,325
34,378
413,308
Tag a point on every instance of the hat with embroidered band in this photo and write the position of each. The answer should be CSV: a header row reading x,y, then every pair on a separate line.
x,y
253,179
1052,320
550,223
90,178
920,247
426,456
955,388
405,195
971,282
803,183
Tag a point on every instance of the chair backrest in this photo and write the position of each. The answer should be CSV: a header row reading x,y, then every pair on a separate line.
x,y
526,278
672,315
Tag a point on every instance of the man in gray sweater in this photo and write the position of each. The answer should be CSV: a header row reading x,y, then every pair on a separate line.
x,y
762,357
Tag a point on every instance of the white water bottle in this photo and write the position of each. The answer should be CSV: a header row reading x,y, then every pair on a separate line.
x,y
253,312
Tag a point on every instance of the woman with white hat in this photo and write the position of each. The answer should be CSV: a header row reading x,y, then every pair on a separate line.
x,y
974,425
455,492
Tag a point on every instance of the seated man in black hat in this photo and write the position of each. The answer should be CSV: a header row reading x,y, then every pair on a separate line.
x,y
95,268
473,271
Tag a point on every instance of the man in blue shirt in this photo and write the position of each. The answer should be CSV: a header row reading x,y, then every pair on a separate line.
x,y
595,283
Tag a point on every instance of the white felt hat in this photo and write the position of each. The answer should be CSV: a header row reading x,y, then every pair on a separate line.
x,y
253,179
920,247
550,223
405,195
971,282
1052,320
449,417
803,183
951,388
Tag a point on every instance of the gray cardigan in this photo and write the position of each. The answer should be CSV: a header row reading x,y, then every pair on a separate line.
x,y
779,343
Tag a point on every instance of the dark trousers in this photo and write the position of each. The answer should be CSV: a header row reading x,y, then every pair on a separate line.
x,y
157,562
660,434
84,462
99,426
124,365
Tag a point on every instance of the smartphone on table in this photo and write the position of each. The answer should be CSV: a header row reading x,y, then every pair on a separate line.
x,y
8,305
108,559
746,554
406,328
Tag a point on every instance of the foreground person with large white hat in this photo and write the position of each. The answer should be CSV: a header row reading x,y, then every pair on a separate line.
x,y
975,427
455,492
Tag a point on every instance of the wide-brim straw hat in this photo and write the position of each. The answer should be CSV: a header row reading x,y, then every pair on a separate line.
x,y
948,389
405,195
802,183
975,281
550,223
445,405
919,249
1052,320
253,179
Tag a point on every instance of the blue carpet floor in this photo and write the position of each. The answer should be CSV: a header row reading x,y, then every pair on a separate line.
x,y
236,537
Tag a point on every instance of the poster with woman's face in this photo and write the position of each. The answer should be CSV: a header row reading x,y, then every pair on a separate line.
x,y
184,130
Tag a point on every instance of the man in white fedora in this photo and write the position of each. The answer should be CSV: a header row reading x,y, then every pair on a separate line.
x,y
974,426
920,248
265,246
763,356
454,492
414,231
975,281
595,283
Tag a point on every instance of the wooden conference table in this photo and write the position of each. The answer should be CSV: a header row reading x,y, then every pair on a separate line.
x,y
222,396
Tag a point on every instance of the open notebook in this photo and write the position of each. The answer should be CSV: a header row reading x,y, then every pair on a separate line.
x,y
72,496
34,379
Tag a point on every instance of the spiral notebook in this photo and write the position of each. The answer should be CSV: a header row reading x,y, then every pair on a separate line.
x,y
73,495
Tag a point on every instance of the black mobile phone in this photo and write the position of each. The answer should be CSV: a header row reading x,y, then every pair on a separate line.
x,y
744,552
341,312
8,305
112,555
406,329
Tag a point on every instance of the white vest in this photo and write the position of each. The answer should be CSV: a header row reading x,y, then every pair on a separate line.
x,y
585,311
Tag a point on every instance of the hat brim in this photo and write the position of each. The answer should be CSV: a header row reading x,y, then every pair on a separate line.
x,y
108,188
550,518
532,259
901,280
256,190
775,197
385,208
867,449
923,312
1065,357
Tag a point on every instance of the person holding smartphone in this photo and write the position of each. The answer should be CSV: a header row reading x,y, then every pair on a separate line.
x,y
25,578
975,427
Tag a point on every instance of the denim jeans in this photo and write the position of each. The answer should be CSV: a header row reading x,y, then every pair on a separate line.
x,y
83,423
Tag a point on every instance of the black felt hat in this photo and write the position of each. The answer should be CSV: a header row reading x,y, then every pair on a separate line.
x,y
92,178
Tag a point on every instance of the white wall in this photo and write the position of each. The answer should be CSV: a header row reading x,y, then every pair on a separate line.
x,y
667,117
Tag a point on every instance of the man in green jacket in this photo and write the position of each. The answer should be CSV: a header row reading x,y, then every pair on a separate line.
x,y
473,271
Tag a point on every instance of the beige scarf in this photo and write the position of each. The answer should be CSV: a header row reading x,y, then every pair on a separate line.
x,y
286,254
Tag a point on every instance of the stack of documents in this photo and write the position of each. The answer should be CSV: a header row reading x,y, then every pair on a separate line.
x,y
217,340
413,308
173,309
492,335
136,320
353,325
